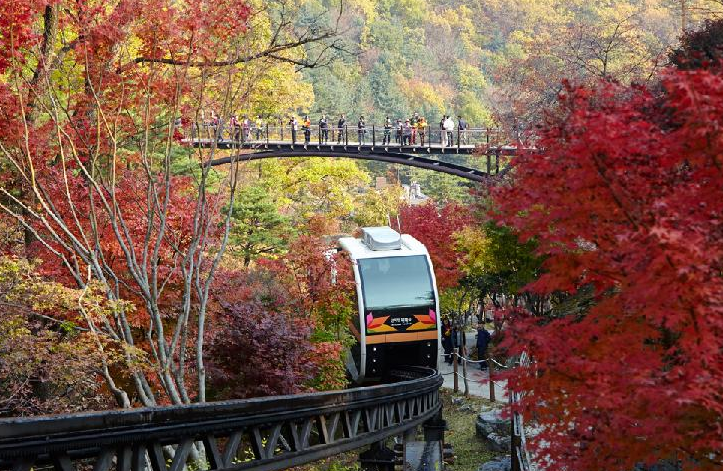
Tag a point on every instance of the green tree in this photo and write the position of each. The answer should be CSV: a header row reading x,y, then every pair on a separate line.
x,y
314,186
377,206
257,227
442,188
386,94
495,263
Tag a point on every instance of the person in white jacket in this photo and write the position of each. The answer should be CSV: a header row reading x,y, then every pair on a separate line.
x,y
449,130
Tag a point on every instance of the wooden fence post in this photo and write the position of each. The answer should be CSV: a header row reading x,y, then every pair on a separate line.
x,y
454,367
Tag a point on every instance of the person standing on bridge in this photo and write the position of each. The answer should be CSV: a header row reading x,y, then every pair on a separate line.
x,y
406,133
323,130
234,127
387,131
449,129
246,127
361,130
294,125
258,126
413,123
421,129
462,126
307,130
215,125
400,130
340,128
442,133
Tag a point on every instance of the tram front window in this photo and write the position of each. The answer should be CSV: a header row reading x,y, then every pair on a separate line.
x,y
396,282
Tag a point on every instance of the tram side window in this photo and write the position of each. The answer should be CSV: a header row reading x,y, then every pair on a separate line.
x,y
396,282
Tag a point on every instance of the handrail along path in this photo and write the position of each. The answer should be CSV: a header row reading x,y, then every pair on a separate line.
x,y
265,434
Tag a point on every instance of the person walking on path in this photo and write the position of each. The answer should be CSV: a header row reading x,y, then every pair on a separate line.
x,y
462,126
294,125
447,340
340,129
361,128
323,130
483,341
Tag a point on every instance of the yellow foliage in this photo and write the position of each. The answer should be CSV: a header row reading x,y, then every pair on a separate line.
x,y
278,91
475,245
309,186
425,96
21,287
377,206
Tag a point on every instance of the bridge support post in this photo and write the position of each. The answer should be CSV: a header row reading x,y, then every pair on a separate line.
x,y
377,458
434,428
428,454
409,435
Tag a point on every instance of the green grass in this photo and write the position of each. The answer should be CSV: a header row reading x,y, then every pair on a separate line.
x,y
469,449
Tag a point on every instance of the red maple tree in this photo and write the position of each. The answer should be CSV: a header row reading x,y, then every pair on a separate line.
x,y
626,198
434,227
90,94
278,327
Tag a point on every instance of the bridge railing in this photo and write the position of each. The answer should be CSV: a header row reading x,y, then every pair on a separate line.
x,y
263,433
349,134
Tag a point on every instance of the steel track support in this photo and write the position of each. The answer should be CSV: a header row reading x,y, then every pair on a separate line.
x,y
426,455
434,428
377,458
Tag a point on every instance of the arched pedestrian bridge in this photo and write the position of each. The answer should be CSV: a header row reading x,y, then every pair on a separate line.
x,y
427,150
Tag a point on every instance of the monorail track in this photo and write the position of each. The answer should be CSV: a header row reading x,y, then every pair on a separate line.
x,y
266,434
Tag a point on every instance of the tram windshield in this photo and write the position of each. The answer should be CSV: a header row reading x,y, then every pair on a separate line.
x,y
396,282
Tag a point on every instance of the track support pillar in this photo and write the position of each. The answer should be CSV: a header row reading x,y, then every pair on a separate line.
x,y
377,458
427,455
434,428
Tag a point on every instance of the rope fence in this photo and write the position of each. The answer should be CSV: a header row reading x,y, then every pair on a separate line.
x,y
458,358
520,455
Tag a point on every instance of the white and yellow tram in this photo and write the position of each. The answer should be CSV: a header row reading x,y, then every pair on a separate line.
x,y
398,323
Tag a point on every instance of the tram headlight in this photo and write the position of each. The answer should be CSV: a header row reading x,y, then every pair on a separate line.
x,y
374,349
429,344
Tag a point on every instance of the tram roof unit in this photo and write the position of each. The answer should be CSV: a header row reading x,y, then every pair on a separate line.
x,y
383,239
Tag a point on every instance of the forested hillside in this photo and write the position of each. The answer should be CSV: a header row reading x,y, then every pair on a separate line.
x,y
494,62
141,265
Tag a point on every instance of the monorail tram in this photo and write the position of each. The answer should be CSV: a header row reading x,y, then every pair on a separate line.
x,y
398,322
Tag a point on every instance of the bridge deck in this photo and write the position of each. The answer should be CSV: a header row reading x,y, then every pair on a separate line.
x,y
332,146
